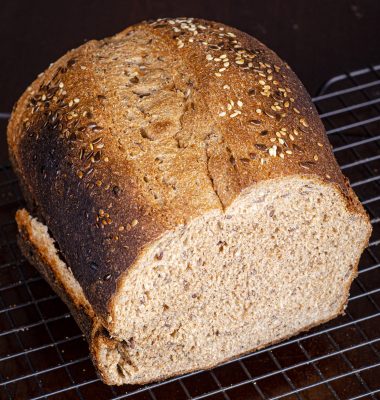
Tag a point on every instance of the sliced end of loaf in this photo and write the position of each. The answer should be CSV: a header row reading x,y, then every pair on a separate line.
x,y
278,261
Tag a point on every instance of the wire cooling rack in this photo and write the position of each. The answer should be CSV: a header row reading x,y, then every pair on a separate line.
x,y
44,355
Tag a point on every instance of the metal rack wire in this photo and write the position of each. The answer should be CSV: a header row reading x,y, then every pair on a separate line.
x,y
44,355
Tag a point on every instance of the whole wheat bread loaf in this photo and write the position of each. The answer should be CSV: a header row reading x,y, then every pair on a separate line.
x,y
183,198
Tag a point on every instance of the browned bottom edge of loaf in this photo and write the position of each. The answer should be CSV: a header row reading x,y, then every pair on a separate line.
x,y
33,254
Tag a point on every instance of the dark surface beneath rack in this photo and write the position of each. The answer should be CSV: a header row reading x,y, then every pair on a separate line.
x,y
44,355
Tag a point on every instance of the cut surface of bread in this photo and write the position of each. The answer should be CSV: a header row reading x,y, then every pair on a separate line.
x,y
279,260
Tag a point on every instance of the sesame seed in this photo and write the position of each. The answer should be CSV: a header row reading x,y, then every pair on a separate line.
x,y
262,82
240,103
273,139
288,152
226,64
328,176
235,113
320,144
258,110
61,85
229,107
209,57
304,122
282,155
106,159
296,110
239,61
273,150
223,56
76,100
222,114
218,74
291,136
315,158
134,222
43,98
222,69
282,141
295,132
226,87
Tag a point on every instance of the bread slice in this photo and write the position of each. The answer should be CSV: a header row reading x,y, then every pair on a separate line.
x,y
187,180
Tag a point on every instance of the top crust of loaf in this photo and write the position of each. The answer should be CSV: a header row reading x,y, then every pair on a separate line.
x,y
126,138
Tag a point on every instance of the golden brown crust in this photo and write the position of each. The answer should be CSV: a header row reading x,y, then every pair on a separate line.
x,y
100,179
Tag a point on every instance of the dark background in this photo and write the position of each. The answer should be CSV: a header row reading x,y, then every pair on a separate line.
x,y
317,38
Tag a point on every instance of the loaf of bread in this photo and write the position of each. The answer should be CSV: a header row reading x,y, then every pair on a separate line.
x,y
182,198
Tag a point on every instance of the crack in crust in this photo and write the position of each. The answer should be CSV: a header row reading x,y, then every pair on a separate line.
x,y
209,137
